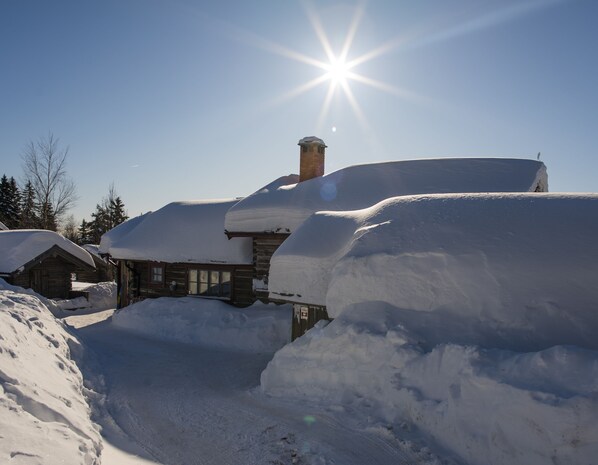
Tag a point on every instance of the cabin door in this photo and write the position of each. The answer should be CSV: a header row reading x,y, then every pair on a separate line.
x,y
37,282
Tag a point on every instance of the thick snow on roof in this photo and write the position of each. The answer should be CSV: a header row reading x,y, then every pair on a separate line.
x,y
180,232
118,232
19,246
507,270
283,209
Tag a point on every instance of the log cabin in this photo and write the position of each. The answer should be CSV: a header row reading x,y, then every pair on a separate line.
x,y
274,212
41,260
180,250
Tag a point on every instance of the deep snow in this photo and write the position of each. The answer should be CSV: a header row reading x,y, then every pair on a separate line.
x,y
469,318
180,232
44,415
19,246
282,208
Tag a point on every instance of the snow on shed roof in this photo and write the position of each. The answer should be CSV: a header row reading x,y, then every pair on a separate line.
x,y
284,208
2,226
180,232
519,266
19,246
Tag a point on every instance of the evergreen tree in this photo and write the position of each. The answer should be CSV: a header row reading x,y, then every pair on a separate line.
x,y
109,214
29,208
10,202
84,233
4,200
117,212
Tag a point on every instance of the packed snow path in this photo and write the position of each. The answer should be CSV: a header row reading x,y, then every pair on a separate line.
x,y
187,405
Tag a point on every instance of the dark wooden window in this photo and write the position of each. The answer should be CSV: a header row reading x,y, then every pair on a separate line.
x,y
210,283
156,271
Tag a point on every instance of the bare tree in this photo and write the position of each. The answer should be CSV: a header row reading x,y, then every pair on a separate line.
x,y
44,165
70,230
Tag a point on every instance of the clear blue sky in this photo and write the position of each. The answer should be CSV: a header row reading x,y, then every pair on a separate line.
x,y
182,99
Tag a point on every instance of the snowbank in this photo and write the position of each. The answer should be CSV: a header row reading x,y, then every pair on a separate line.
x,y
471,318
19,246
514,271
180,232
44,417
487,406
283,208
259,328
102,296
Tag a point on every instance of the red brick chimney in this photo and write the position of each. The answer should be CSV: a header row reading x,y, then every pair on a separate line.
x,y
311,158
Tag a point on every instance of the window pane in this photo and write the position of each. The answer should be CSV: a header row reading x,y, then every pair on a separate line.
x,y
203,276
192,287
225,284
157,274
203,288
193,275
214,283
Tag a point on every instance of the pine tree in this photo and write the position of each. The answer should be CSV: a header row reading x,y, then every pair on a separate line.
x,y
15,204
10,200
85,233
4,200
109,214
29,208
117,212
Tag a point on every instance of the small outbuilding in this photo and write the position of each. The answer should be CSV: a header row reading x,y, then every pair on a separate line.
x,y
41,260
180,250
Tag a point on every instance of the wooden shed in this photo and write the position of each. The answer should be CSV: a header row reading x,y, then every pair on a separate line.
x,y
41,260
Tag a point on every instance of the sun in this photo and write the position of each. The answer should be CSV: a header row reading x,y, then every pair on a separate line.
x,y
337,71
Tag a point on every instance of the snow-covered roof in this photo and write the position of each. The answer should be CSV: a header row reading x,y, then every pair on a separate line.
x,y
511,261
19,246
180,232
3,227
284,208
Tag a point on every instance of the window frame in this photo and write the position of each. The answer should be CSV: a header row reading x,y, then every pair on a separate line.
x,y
151,281
208,283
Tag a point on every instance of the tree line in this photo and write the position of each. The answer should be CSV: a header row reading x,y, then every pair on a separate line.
x,y
47,195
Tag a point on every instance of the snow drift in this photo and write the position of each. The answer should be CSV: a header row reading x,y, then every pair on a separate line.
x,y
486,406
44,417
471,318
515,271
259,328
282,208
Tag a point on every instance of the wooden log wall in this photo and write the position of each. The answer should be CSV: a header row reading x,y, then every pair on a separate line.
x,y
264,247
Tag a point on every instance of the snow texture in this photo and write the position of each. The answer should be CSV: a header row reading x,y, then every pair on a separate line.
x,y
484,406
516,271
212,323
44,416
471,318
180,232
283,208
19,247
3,226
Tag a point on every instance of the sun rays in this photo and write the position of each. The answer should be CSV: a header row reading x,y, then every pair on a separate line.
x,y
340,70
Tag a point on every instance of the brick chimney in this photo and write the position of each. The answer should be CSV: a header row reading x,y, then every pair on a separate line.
x,y
311,158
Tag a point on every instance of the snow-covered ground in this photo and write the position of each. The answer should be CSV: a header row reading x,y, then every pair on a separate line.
x,y
44,414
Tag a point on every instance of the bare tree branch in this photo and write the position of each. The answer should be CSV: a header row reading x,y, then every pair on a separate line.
x,y
44,165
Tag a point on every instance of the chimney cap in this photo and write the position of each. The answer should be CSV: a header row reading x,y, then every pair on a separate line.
x,y
311,140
